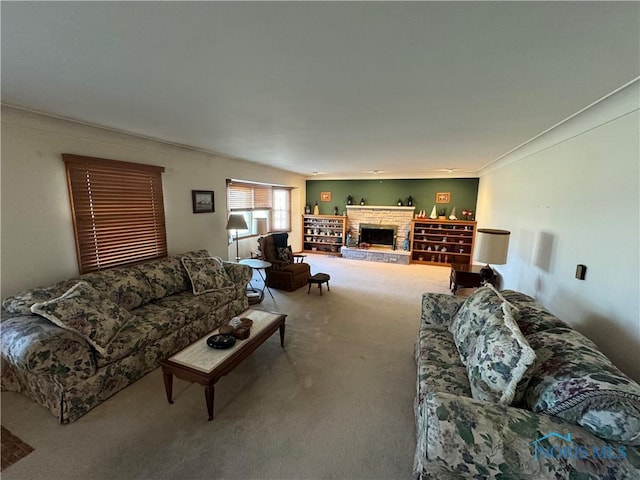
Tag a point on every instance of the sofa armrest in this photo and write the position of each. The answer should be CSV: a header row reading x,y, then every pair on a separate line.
x,y
34,344
477,439
239,274
438,309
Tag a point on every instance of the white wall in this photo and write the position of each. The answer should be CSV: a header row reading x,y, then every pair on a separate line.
x,y
572,197
38,247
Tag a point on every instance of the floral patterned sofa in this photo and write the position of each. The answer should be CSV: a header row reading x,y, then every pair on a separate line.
x,y
74,344
506,390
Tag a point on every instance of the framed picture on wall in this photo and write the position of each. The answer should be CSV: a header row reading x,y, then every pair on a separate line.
x,y
325,196
443,197
202,201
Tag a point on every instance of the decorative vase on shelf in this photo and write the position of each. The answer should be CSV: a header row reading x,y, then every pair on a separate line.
x,y
349,200
400,202
362,201
453,214
335,211
433,215
410,201
307,209
316,209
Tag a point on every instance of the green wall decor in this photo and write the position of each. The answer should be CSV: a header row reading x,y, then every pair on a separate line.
x,y
464,193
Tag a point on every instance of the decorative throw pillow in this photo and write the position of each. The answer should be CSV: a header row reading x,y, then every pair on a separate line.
x,y
206,274
470,318
575,381
21,303
84,310
501,360
285,254
280,239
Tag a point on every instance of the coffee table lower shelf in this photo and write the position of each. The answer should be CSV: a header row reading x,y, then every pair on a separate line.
x,y
198,363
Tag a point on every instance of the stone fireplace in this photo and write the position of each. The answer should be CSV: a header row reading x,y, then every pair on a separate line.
x,y
378,223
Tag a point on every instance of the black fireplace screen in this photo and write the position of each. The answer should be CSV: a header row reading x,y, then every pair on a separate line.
x,y
379,235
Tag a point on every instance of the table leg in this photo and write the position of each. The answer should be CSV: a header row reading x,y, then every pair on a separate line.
x,y
209,393
282,335
168,385
264,280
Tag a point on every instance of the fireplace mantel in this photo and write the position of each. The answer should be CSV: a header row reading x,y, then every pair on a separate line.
x,y
379,207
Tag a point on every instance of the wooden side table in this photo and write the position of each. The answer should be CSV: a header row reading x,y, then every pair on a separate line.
x,y
466,276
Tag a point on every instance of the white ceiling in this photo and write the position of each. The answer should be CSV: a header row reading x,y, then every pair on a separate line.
x,y
406,88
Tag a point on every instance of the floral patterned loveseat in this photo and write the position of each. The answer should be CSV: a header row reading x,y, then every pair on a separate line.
x,y
117,325
505,390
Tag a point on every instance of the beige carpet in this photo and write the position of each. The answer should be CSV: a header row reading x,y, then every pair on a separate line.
x,y
335,403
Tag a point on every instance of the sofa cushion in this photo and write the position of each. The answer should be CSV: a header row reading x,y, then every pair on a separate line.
x,y
21,303
439,310
470,318
573,380
520,299
532,320
193,308
125,286
501,360
148,324
436,345
441,377
206,274
166,276
84,310
463,438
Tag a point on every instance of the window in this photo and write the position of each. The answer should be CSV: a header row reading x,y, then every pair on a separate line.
x,y
256,200
118,212
281,213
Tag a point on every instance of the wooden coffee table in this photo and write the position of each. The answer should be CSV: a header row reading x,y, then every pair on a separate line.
x,y
202,364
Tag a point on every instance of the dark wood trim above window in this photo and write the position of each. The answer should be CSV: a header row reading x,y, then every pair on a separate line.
x,y
118,211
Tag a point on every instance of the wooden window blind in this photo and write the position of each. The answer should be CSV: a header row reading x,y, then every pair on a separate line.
x,y
118,211
248,196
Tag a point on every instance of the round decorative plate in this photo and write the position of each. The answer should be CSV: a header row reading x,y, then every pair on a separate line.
x,y
221,341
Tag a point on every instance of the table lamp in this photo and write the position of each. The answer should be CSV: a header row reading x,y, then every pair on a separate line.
x,y
261,230
261,227
236,222
492,247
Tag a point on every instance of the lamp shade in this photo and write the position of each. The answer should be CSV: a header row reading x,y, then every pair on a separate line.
x,y
236,222
492,246
261,226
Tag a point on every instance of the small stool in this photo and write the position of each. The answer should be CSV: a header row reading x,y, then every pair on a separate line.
x,y
319,278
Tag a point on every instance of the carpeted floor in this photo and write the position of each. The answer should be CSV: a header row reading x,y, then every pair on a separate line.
x,y
335,403
13,449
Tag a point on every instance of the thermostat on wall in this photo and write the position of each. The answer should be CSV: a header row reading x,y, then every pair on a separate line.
x,y
581,272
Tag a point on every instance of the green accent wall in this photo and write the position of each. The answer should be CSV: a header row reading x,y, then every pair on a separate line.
x,y
464,193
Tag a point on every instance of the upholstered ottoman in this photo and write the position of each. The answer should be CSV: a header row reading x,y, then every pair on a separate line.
x,y
319,279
